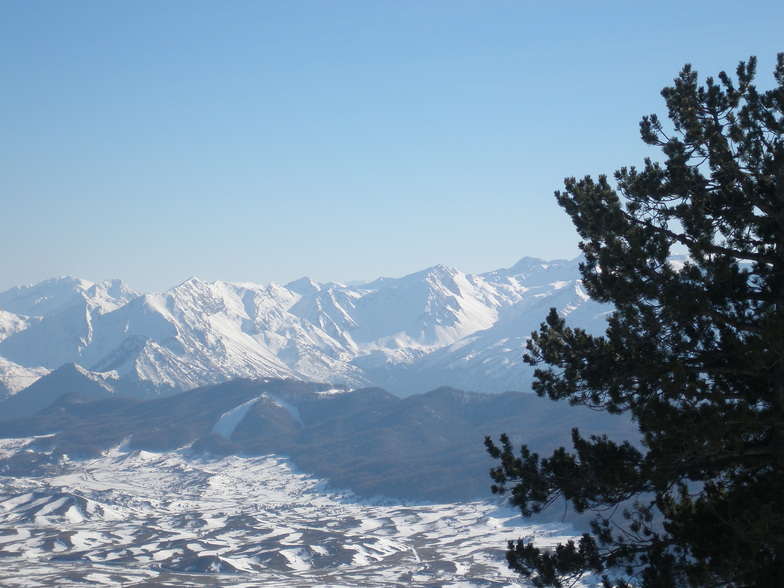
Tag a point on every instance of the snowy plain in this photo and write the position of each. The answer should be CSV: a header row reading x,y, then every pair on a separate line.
x,y
135,518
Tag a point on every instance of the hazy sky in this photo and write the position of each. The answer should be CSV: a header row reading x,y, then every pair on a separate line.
x,y
263,141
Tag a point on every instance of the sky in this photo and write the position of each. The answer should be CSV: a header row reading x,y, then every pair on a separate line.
x,y
264,141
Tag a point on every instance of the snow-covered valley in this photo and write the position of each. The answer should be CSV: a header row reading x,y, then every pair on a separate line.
x,y
135,518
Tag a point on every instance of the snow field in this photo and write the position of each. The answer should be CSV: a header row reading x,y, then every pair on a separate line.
x,y
171,519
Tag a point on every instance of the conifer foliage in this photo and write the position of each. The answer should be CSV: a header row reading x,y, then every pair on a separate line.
x,y
693,352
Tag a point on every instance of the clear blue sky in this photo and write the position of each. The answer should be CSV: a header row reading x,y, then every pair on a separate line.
x,y
263,141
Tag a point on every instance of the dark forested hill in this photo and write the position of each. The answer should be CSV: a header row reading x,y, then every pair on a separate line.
x,y
424,447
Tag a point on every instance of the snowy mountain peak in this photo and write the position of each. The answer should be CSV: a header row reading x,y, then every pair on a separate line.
x,y
526,265
45,297
435,327
192,284
432,274
539,272
51,296
304,286
109,295
115,288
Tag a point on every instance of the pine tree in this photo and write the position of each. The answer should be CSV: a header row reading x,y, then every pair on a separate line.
x,y
693,353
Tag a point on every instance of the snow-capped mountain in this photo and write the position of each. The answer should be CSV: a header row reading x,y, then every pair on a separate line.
x,y
132,451
411,334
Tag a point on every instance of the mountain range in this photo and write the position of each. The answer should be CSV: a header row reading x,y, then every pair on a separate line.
x,y
183,438
436,327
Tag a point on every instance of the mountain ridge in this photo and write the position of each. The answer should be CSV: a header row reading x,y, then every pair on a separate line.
x,y
426,446
434,327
